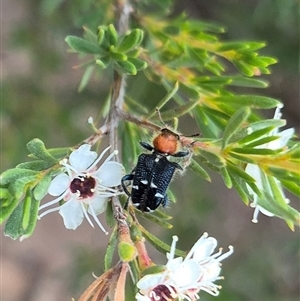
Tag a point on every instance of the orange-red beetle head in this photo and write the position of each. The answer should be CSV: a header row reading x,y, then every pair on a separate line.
x,y
167,142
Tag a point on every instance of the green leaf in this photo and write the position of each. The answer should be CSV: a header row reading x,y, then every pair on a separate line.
x,y
251,137
41,189
13,174
240,173
191,93
131,40
22,221
7,204
242,81
37,165
110,220
234,124
156,220
292,187
138,63
26,210
86,78
178,111
197,169
83,46
158,244
119,57
59,152
112,243
112,35
254,151
226,177
240,187
101,35
243,67
126,67
104,62
212,158
164,100
37,148
254,101
262,141
13,227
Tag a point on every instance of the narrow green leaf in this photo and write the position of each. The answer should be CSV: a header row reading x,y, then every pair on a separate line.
x,y
8,204
104,62
41,189
26,210
83,46
112,243
126,67
13,228
240,173
292,187
131,40
178,111
191,93
226,177
156,220
37,165
241,81
226,46
164,100
234,124
255,151
13,174
240,188
59,152
112,35
243,67
37,148
119,57
254,101
110,220
212,158
138,63
33,218
197,168
86,77
158,244
162,215
20,186
100,34
254,136
262,141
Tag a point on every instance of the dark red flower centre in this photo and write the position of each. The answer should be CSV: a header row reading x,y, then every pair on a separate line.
x,y
164,293
84,186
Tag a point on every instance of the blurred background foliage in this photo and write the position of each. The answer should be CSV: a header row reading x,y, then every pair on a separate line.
x,y
40,99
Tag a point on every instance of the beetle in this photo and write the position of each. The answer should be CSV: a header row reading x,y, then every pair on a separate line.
x,y
153,173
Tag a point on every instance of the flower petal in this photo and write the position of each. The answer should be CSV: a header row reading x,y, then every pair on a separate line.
x,y
82,157
110,173
187,274
72,214
203,248
283,139
150,281
59,185
99,205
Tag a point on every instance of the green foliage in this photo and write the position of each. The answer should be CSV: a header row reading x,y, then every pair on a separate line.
x,y
204,79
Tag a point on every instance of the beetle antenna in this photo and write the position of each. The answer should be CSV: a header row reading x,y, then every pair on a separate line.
x,y
159,116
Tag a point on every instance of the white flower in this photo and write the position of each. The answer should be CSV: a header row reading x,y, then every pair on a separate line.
x,y
183,279
255,172
84,188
